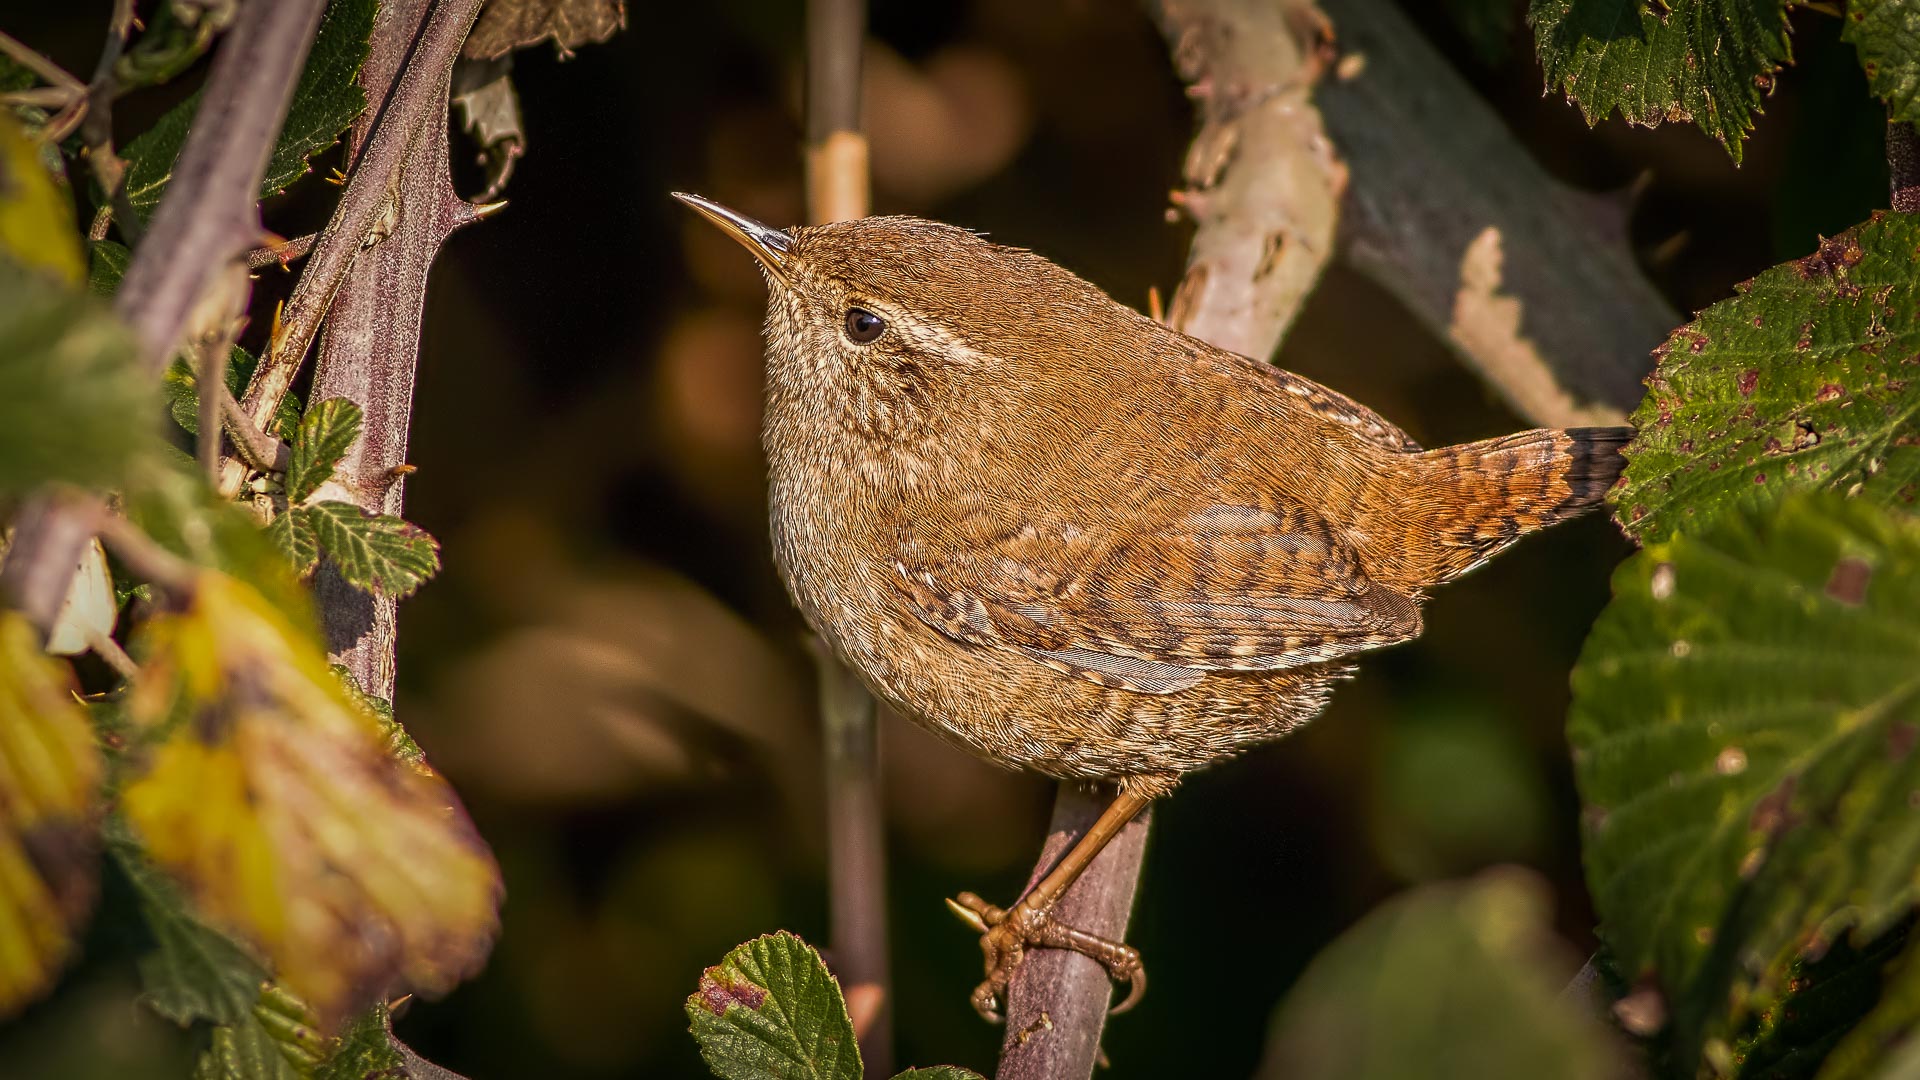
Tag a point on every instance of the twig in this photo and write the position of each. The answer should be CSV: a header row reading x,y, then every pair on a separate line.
x,y
372,344
1903,166
1534,284
1263,183
64,93
149,561
205,223
260,450
405,75
837,190
210,374
282,253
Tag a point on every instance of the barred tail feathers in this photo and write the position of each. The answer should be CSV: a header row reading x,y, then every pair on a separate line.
x,y
1477,498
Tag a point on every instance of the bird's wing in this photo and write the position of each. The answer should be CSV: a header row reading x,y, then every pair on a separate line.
x,y
1154,608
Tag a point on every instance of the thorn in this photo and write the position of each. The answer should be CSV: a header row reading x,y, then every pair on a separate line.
x,y
1154,310
337,178
482,211
401,470
398,1006
277,337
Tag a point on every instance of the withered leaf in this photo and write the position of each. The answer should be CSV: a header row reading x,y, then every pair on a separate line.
x,y
275,800
49,800
506,25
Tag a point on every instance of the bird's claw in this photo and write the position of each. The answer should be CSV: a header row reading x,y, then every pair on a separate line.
x,y
1005,936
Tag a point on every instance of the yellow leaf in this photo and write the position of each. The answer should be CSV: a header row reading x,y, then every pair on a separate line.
x,y
36,220
275,800
49,802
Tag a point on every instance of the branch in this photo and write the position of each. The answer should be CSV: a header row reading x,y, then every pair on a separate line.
x,y
203,227
406,76
838,190
1263,183
372,343
1533,283
1903,166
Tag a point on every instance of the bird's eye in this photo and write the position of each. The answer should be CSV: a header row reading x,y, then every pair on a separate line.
x,y
863,326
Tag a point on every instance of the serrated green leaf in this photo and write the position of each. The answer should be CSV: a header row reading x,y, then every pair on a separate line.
x,y
74,405
322,440
1366,1008
1809,379
244,1052
1709,61
1743,725
291,531
399,743
771,1011
379,554
195,972
326,100
369,1049
36,216
1887,35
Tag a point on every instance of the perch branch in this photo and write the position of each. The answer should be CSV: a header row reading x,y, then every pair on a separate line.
x,y
203,227
405,76
371,347
837,190
1533,284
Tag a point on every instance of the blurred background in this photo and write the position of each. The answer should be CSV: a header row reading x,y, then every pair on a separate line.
x,y
609,670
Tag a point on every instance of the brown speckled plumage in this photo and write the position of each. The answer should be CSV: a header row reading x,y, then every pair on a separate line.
x,y
1075,541
1072,540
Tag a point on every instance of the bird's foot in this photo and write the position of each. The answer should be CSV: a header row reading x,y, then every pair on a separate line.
x,y
1005,936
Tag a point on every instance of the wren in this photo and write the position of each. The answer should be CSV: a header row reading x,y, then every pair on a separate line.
x,y
1073,540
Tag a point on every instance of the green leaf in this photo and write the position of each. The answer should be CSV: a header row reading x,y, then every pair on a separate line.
x,y
107,263
75,406
1709,61
377,553
1826,1000
1453,980
771,1011
1887,35
194,972
369,1049
291,531
326,100
1809,378
1743,726
322,440
399,743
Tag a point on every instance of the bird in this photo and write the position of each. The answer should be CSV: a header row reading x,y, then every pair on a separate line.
x,y
1072,540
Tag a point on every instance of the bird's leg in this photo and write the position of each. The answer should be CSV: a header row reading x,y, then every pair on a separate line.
x,y
1005,935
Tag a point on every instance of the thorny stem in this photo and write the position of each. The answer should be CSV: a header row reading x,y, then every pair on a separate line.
x,y
203,226
837,189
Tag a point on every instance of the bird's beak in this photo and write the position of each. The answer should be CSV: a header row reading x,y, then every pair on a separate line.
x,y
767,244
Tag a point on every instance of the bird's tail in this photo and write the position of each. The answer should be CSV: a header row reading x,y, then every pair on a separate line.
x,y
1470,501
